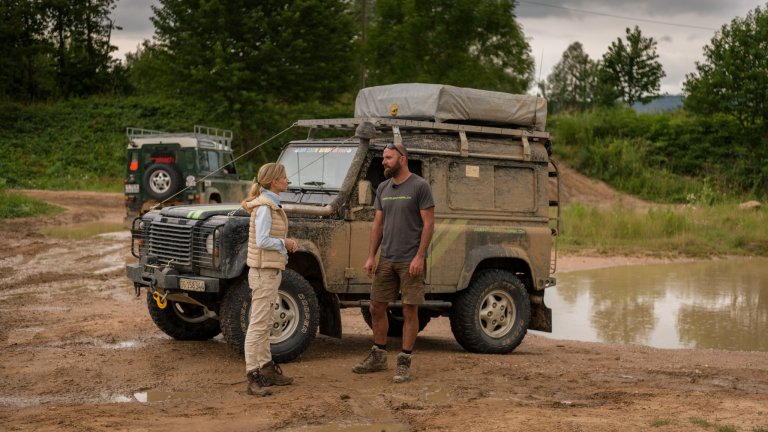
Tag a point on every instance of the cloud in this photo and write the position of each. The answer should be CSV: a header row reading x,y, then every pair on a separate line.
x,y
681,29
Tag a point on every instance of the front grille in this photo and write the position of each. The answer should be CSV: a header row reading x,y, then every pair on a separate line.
x,y
171,242
182,245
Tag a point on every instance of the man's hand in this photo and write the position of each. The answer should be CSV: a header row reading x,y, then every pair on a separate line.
x,y
417,266
370,267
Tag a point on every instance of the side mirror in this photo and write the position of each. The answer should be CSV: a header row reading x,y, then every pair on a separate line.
x,y
364,193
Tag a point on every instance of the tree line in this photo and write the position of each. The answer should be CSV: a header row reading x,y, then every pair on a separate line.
x,y
253,66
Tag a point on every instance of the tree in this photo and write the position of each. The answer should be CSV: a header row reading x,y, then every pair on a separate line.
x,y
733,78
472,43
630,71
290,50
571,85
243,58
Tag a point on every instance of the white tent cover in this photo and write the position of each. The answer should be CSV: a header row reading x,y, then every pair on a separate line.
x,y
443,103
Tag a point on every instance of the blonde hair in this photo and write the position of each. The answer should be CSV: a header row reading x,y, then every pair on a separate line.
x,y
267,174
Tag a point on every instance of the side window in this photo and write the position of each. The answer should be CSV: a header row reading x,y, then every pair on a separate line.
x,y
228,163
202,160
375,173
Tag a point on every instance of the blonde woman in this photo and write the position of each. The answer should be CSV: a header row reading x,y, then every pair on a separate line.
x,y
268,248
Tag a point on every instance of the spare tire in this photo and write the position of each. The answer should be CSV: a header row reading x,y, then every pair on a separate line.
x,y
161,181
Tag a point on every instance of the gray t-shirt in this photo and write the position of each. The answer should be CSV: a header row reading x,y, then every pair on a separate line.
x,y
402,221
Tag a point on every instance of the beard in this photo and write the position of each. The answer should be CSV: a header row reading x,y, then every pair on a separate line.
x,y
393,171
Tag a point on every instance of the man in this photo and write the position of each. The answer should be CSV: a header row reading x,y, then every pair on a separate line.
x,y
403,227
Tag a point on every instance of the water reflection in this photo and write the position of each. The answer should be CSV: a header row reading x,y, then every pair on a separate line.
x,y
708,304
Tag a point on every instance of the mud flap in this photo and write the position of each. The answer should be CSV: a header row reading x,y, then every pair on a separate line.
x,y
541,315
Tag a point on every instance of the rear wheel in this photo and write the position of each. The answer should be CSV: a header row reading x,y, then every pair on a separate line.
x,y
396,320
296,316
182,321
492,315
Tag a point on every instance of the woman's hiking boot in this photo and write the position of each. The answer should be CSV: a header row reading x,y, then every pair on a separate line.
x,y
256,385
273,375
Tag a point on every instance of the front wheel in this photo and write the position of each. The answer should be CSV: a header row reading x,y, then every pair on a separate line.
x,y
182,321
492,315
295,317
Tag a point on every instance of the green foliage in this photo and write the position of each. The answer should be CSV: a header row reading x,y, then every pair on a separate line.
x,y
56,48
631,71
13,205
692,230
733,78
471,43
572,83
235,52
668,157
81,144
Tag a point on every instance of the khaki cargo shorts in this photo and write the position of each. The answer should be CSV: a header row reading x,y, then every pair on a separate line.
x,y
392,279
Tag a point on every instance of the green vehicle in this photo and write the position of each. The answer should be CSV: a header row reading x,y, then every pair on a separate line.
x,y
165,169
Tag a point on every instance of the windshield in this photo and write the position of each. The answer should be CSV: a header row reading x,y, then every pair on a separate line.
x,y
319,167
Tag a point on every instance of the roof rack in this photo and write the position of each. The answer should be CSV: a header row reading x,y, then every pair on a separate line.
x,y
382,124
216,135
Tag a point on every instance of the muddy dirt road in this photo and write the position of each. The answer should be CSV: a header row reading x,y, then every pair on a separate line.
x,y
78,352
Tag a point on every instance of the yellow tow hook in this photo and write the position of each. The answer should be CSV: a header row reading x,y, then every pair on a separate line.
x,y
160,299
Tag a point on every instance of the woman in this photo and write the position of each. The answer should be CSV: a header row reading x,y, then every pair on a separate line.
x,y
268,248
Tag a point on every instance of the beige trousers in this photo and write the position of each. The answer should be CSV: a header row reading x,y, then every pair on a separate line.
x,y
264,284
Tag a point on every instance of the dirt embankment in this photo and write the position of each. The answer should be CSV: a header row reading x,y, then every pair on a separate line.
x,y
78,352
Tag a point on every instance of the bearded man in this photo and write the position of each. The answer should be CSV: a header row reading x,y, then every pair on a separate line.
x,y
403,227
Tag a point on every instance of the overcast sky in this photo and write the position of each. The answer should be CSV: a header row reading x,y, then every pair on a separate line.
x,y
681,28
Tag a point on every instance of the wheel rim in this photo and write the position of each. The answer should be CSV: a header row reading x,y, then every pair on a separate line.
x,y
497,314
285,318
189,313
160,181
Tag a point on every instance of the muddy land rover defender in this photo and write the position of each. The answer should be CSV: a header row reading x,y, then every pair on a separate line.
x,y
489,261
161,165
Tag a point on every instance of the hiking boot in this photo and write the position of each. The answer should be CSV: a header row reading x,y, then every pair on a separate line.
x,y
256,386
403,369
273,375
376,361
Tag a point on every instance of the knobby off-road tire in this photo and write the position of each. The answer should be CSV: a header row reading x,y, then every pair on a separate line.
x,y
396,320
296,316
492,315
161,181
182,321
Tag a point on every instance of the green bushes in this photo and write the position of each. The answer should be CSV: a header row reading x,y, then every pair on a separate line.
x,y
667,157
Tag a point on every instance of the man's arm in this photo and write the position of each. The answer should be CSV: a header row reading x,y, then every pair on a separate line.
x,y
428,219
377,233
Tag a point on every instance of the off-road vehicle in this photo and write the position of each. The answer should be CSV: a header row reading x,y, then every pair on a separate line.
x,y
160,165
489,261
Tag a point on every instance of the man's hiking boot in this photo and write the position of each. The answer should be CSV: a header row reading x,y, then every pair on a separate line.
x,y
376,361
273,375
403,369
256,385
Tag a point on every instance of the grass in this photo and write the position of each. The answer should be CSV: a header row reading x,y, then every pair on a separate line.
x,y
698,231
659,422
14,205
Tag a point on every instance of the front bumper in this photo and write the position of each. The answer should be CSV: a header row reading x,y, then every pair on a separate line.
x,y
167,278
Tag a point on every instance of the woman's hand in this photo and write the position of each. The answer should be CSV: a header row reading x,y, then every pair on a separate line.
x,y
292,245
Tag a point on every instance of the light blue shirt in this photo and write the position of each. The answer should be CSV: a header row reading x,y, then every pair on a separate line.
x,y
263,223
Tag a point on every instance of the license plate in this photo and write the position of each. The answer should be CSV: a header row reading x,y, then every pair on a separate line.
x,y
192,285
132,188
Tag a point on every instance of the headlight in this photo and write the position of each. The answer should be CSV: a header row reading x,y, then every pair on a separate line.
x,y
209,244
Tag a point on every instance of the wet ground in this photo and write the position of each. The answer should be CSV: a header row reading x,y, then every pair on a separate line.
x,y
78,352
